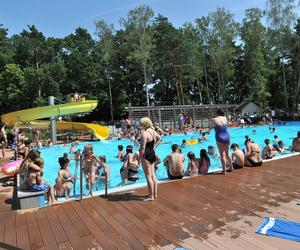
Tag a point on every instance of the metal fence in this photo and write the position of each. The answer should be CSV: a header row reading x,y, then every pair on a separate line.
x,y
167,116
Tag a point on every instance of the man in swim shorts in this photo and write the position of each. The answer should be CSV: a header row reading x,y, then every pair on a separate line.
x,y
237,156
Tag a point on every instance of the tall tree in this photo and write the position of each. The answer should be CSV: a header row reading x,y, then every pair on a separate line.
x,y
105,47
280,16
202,27
296,67
255,80
81,68
169,59
12,87
6,52
138,27
223,32
194,61
30,49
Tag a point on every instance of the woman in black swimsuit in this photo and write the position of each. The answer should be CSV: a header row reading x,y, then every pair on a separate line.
x,y
149,140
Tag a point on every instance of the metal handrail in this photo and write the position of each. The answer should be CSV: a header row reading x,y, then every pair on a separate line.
x,y
106,182
81,179
81,175
77,159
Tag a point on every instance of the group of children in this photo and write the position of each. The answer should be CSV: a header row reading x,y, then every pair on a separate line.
x,y
274,148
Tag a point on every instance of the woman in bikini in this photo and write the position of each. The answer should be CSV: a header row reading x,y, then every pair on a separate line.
x,y
130,168
252,156
149,141
90,163
219,123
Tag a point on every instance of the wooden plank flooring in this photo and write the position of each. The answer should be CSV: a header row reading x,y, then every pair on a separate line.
x,y
204,212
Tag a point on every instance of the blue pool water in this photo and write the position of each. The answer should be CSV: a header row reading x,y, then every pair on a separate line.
x,y
109,149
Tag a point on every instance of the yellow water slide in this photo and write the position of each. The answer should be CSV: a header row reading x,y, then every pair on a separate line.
x,y
30,117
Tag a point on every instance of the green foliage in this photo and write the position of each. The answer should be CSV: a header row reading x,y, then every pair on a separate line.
x,y
214,59
254,71
12,87
6,52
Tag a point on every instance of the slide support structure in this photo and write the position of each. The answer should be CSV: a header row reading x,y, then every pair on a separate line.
x,y
52,122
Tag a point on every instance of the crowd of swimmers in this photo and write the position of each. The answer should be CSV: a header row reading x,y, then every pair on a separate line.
x,y
147,137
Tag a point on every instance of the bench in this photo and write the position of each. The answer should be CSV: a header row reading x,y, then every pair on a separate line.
x,y
27,199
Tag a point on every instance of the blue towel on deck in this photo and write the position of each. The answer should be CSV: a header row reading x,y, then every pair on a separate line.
x,y
280,228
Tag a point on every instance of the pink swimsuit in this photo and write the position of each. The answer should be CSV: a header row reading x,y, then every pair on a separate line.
x,y
203,167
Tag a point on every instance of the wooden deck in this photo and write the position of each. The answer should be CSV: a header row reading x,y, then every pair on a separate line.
x,y
205,212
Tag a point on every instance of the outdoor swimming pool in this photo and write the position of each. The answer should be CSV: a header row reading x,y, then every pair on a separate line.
x,y
109,149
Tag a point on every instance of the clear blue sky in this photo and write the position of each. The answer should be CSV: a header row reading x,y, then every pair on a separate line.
x,y
59,18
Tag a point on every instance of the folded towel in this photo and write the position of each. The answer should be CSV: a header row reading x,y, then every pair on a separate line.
x,y
280,228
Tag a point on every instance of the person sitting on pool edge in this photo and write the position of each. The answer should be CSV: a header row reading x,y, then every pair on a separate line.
x,y
175,163
269,151
192,169
203,162
252,154
237,156
296,143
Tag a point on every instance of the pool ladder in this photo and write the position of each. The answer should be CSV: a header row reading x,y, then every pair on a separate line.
x,y
79,160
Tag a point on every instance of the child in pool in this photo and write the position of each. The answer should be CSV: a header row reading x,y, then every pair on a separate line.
x,y
59,188
121,153
281,148
72,149
90,163
65,175
103,169
204,138
212,152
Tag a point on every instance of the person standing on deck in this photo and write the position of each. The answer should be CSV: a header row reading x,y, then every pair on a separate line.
x,y
149,141
3,138
219,123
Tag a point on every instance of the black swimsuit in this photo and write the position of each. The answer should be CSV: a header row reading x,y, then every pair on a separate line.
x,y
149,152
254,163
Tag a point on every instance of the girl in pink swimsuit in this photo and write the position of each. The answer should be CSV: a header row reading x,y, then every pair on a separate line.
x,y
204,162
90,163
